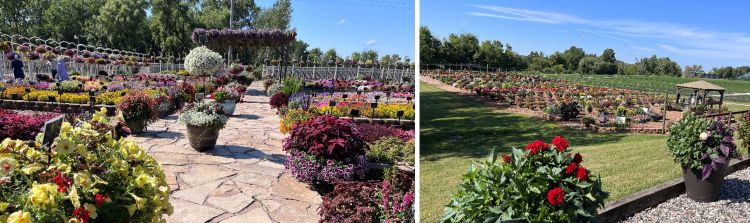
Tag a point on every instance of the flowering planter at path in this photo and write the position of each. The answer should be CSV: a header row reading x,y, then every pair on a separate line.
x,y
704,190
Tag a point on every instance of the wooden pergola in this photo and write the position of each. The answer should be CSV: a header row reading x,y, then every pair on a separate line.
x,y
703,87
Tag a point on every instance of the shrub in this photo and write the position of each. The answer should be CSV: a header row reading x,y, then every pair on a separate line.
x,y
136,105
204,114
326,149
390,200
273,89
22,126
291,86
300,100
391,150
569,111
278,100
87,174
201,61
541,183
701,144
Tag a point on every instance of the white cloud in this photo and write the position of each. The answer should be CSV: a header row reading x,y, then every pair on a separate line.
x,y
342,21
370,42
683,39
642,48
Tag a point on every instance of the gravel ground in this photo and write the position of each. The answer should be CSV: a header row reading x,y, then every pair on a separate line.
x,y
733,205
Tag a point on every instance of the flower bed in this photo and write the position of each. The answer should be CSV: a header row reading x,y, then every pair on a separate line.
x,y
89,175
23,126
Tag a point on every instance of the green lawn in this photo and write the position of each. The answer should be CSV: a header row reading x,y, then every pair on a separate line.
x,y
658,84
456,130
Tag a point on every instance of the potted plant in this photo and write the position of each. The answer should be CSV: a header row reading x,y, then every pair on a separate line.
x,y
703,148
227,96
743,130
203,120
621,118
138,109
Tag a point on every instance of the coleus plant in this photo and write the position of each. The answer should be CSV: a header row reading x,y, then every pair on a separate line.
x,y
326,149
701,144
541,183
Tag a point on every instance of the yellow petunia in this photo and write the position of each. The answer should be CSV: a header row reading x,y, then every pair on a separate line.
x,y
7,165
83,180
43,195
64,146
92,210
74,197
19,217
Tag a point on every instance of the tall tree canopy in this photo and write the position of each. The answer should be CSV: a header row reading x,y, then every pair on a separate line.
x,y
121,24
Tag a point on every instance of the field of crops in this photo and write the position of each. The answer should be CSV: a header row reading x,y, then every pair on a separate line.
x,y
658,84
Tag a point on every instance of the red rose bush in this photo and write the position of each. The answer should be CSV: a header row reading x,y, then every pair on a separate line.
x,y
540,183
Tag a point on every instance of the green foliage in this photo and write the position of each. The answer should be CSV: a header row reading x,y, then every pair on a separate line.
x,y
693,137
743,130
171,24
121,23
518,187
74,14
291,86
391,150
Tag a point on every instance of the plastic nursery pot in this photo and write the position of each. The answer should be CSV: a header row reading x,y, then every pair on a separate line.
x,y
704,190
202,138
137,126
228,107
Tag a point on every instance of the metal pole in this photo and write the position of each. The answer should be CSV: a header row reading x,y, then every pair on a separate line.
x,y
231,17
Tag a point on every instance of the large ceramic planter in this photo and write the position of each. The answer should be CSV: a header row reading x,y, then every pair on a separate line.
x,y
202,138
704,190
137,126
228,107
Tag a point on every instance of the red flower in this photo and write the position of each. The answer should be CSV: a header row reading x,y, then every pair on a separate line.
x,y
506,158
582,174
560,143
62,182
571,168
82,214
577,158
536,146
556,196
100,199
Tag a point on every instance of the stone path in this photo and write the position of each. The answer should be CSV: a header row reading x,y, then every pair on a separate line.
x,y
241,180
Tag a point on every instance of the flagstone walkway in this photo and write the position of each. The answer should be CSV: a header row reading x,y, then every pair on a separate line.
x,y
241,180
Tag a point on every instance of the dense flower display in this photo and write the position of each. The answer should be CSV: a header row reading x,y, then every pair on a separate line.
x,y
541,183
204,114
89,175
203,62
279,100
22,126
242,37
136,105
390,200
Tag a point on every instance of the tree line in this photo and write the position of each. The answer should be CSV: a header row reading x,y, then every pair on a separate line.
x,y
465,48
163,27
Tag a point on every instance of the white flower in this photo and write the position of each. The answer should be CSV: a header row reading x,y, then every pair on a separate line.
x,y
203,61
704,136
7,165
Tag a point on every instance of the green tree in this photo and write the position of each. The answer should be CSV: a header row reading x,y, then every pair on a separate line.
x,y
171,26
430,48
121,24
214,14
23,17
330,56
278,16
67,18
490,53
299,50
315,55
572,57
608,56
587,65
695,70
461,48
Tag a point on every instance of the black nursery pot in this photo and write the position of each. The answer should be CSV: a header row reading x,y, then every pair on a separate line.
x,y
322,187
704,190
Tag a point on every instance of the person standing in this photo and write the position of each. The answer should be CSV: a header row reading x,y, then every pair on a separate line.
x,y
61,69
17,65
52,63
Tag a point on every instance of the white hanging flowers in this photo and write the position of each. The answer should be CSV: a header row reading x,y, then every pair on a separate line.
x,y
704,136
201,61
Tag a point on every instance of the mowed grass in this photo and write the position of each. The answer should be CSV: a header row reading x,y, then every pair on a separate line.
x,y
456,130
656,84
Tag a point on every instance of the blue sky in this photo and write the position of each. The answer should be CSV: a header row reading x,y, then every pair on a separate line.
x,y
386,26
689,32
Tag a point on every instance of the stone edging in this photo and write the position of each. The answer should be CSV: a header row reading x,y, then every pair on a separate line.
x,y
628,206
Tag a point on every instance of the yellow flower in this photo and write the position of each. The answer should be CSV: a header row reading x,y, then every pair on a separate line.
x,y
83,180
139,201
64,146
43,195
74,220
3,206
31,168
65,128
144,179
7,165
19,217
74,198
